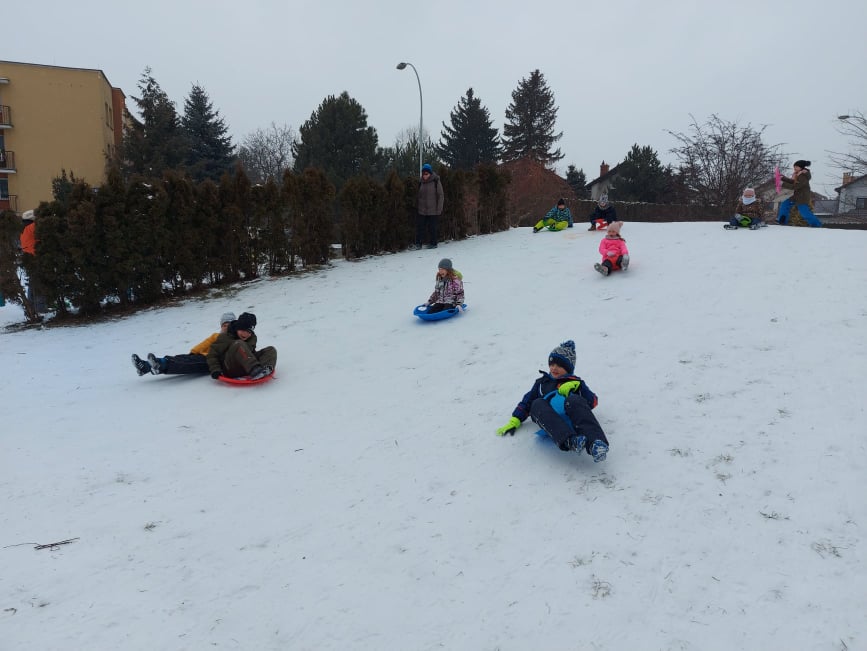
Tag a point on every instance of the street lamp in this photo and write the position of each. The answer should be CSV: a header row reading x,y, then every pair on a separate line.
x,y
843,117
401,66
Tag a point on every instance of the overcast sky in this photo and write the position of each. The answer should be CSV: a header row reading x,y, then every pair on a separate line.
x,y
622,71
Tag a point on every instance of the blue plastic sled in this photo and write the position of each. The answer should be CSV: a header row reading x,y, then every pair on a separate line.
x,y
421,312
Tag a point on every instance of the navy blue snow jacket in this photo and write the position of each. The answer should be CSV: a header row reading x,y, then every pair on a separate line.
x,y
545,385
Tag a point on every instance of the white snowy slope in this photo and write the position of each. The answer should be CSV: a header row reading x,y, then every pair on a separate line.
x,y
361,500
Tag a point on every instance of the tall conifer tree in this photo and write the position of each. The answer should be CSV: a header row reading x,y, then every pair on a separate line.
x,y
530,119
154,143
210,153
471,139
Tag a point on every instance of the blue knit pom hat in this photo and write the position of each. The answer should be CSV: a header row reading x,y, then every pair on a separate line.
x,y
426,168
564,356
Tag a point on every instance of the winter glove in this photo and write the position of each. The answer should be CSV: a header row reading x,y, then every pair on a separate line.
x,y
460,308
568,387
510,427
216,374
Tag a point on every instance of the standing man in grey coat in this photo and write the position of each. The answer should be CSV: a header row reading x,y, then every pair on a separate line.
x,y
430,207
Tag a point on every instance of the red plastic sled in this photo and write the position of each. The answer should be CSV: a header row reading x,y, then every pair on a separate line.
x,y
245,379
601,224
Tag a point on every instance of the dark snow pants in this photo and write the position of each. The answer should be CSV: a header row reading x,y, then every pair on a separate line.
x,y
240,359
581,421
427,226
189,364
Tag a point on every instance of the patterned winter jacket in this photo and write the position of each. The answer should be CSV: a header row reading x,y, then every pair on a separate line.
x,y
558,215
755,210
430,196
544,386
613,247
448,290
218,350
801,186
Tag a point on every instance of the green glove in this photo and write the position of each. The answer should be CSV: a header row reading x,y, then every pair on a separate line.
x,y
510,427
568,387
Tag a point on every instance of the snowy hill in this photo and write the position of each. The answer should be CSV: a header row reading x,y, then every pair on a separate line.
x,y
362,500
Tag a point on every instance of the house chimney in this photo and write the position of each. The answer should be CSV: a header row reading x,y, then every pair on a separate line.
x,y
847,178
603,169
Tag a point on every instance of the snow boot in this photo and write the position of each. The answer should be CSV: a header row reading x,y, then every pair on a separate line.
x,y
156,367
624,263
141,366
601,268
730,227
599,450
577,443
258,372
755,227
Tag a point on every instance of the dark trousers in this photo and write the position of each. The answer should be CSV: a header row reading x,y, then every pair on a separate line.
x,y
433,308
581,421
240,360
427,225
184,365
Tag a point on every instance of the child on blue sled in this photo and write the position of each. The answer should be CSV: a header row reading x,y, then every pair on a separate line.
x,y
561,404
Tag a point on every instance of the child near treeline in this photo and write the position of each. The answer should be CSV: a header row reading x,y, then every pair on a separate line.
x,y
562,404
194,363
234,352
748,213
615,255
556,219
448,290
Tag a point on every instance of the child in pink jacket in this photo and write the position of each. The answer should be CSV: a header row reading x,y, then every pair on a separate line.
x,y
615,255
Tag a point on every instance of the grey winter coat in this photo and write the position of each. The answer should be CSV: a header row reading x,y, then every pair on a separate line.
x,y
430,196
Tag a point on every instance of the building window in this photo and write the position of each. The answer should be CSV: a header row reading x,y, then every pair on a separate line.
x,y
4,188
107,122
860,203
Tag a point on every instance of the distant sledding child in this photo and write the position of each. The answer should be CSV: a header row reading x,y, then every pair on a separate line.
x,y
556,219
234,352
604,210
193,363
615,255
579,431
448,290
748,213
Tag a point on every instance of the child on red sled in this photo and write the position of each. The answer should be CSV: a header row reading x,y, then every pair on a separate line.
x,y
615,255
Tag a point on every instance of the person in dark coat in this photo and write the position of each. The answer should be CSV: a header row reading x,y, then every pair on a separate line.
x,y
430,207
604,210
234,352
561,403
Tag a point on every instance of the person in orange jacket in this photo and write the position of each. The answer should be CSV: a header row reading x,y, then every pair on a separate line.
x,y
194,363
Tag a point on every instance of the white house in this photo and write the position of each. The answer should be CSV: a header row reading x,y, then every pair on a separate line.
x,y
853,193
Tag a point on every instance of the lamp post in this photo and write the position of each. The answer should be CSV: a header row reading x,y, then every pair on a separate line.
x,y
401,66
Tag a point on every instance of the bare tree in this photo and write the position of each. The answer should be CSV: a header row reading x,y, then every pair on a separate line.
x,y
267,153
718,159
853,127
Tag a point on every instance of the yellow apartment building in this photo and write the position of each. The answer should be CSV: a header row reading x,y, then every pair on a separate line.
x,y
52,119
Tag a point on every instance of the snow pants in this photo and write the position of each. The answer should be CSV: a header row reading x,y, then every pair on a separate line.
x,y
804,209
240,360
579,416
185,365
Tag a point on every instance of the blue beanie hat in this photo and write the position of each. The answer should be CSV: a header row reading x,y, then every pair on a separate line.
x,y
427,168
564,355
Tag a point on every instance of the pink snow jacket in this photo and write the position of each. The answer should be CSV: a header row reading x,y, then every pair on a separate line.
x,y
612,247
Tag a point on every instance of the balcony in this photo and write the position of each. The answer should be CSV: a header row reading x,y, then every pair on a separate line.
x,y
9,202
5,117
7,161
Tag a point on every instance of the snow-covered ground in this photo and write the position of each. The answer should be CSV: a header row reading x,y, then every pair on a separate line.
x,y
362,500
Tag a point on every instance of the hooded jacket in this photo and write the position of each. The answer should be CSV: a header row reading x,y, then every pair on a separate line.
x,y
430,196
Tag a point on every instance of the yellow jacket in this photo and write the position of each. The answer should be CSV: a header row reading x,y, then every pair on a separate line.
x,y
202,347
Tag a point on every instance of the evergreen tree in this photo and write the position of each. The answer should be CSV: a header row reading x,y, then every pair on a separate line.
x,y
209,149
471,139
337,140
530,120
154,143
641,177
577,180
